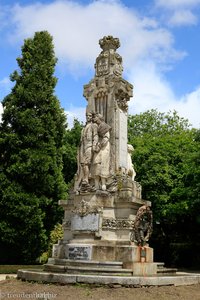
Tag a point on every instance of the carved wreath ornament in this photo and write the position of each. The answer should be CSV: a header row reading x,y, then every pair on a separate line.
x,y
142,227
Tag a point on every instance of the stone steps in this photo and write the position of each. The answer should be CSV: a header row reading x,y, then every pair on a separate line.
x,y
166,270
161,269
96,267
85,263
87,270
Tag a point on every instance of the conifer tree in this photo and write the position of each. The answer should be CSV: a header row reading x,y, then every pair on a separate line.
x,y
31,143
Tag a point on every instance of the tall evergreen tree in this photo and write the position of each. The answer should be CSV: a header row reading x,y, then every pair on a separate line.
x,y
31,142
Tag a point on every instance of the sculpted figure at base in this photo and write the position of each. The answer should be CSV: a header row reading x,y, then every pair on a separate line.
x,y
89,139
142,228
130,168
100,169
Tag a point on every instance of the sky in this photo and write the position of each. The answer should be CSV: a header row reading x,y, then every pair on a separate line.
x,y
160,47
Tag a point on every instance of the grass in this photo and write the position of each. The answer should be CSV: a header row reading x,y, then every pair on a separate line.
x,y
12,269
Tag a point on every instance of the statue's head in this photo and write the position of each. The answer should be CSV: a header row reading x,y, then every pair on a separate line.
x,y
89,116
130,148
98,118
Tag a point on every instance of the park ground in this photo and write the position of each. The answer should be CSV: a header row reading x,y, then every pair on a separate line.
x,y
17,289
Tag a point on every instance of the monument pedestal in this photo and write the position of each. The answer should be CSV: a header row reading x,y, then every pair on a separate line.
x,y
97,228
123,258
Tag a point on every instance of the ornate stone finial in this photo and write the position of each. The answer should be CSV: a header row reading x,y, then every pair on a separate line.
x,y
109,42
109,62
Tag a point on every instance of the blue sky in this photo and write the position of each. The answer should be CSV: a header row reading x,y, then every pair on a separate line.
x,y
160,46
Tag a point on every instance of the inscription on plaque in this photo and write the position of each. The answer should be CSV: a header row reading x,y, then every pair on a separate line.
x,y
122,139
79,253
89,222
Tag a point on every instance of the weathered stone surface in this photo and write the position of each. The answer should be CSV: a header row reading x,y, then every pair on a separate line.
x,y
89,222
123,162
186,279
143,268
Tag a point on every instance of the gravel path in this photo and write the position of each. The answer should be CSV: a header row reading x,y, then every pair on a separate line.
x,y
17,289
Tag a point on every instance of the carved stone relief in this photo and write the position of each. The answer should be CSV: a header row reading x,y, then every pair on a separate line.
x,y
94,155
122,99
117,224
143,226
83,209
109,62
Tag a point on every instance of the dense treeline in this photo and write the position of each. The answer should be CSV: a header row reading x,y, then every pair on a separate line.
x,y
166,159
38,162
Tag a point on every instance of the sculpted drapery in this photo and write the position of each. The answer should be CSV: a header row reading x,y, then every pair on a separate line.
x,y
94,154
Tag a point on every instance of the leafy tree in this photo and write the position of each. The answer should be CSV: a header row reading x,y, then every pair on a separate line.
x,y
31,149
71,143
164,145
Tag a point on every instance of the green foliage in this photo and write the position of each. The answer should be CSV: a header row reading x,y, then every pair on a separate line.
x,y
22,233
55,235
31,150
164,158
12,269
71,143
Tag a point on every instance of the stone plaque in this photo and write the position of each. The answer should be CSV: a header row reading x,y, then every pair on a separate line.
x,y
89,222
79,252
122,139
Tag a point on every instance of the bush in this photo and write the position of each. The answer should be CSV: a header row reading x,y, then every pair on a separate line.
x,y
55,235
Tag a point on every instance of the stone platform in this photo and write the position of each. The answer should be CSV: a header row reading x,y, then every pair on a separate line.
x,y
102,267
130,281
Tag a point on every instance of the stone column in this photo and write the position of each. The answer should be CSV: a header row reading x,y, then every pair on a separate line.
x,y
108,94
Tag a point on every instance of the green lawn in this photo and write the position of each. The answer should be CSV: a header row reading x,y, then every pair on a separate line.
x,y
12,269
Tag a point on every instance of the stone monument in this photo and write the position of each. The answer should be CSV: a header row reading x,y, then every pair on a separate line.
x,y
105,219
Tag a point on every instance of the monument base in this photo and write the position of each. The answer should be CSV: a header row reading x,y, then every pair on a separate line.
x,y
104,251
103,257
97,228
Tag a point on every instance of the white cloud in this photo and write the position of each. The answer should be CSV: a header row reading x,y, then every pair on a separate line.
x,y
75,113
179,12
183,17
147,48
151,90
76,29
189,107
176,3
